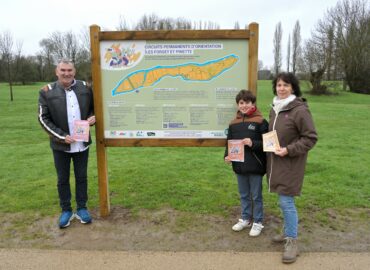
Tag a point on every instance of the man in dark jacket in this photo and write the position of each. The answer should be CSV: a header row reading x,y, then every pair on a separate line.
x,y
61,104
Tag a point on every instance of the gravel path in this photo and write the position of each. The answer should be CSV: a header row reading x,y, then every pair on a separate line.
x,y
73,259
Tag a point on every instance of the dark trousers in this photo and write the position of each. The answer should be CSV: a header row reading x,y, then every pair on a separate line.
x,y
62,161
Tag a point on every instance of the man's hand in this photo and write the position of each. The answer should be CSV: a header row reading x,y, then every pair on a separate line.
x,y
69,140
91,120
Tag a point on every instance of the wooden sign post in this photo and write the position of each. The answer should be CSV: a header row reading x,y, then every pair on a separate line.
x,y
186,79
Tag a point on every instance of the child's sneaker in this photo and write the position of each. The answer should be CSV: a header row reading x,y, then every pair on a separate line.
x,y
256,229
241,225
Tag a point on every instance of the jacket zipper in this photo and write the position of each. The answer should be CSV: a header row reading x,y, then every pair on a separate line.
x,y
272,154
259,161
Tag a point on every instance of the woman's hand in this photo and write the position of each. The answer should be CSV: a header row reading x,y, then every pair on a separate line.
x,y
282,152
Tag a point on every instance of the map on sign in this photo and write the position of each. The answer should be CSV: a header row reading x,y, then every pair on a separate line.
x,y
171,88
188,71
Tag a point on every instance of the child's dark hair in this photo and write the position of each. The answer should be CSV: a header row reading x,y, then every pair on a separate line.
x,y
245,95
290,78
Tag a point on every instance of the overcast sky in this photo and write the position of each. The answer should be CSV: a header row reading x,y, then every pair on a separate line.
x,y
30,21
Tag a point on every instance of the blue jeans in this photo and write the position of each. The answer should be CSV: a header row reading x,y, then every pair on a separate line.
x,y
287,206
62,161
250,190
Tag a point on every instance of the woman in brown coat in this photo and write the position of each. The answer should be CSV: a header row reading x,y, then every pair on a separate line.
x,y
292,120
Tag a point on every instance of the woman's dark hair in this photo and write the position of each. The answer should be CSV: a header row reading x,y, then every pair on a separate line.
x,y
290,78
245,95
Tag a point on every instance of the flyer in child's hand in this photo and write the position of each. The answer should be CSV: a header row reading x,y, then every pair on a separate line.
x,y
81,131
270,141
235,150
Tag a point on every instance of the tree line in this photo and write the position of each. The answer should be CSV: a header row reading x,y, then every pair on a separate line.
x,y
337,50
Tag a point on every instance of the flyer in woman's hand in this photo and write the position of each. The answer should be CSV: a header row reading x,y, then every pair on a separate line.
x,y
81,129
236,150
270,141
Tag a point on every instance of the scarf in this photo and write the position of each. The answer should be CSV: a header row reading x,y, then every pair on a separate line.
x,y
280,104
255,116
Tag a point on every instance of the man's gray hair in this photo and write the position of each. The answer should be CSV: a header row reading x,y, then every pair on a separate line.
x,y
65,61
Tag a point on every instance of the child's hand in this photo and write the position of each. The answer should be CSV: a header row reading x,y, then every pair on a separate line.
x,y
247,142
227,160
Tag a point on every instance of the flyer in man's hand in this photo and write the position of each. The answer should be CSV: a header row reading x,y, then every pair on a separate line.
x,y
270,141
235,150
81,129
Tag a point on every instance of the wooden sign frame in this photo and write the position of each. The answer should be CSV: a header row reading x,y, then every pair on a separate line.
x,y
96,36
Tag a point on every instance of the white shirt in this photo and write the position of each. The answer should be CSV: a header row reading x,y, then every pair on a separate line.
x,y
73,113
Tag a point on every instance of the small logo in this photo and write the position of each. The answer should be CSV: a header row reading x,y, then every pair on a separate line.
x,y
139,134
252,127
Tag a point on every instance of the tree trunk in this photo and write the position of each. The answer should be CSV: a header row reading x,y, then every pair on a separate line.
x,y
315,79
10,82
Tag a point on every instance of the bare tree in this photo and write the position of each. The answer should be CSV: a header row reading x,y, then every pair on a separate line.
x,y
122,24
260,65
342,40
330,51
277,48
315,62
352,21
288,55
182,24
154,22
18,61
67,45
47,49
296,46
6,49
148,22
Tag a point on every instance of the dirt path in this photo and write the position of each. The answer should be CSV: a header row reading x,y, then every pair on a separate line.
x,y
170,239
171,230
73,259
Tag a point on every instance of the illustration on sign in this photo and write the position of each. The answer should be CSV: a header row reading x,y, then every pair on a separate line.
x,y
120,57
188,72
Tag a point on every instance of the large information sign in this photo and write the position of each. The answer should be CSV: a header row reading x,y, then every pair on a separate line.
x,y
167,88
171,88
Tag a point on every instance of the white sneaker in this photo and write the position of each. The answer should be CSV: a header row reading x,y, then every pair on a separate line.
x,y
241,225
256,229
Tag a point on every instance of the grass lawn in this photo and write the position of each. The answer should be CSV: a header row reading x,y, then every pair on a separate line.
x,y
193,180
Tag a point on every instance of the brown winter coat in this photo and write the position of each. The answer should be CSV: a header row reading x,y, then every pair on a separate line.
x,y
296,131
